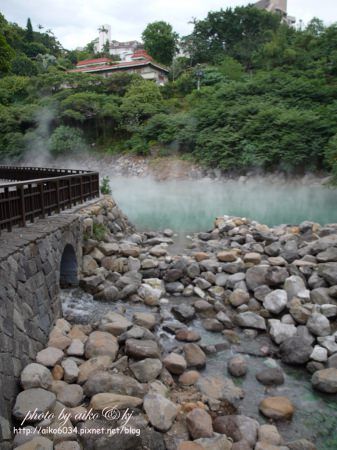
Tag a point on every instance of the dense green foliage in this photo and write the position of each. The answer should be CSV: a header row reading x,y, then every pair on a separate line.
x,y
268,97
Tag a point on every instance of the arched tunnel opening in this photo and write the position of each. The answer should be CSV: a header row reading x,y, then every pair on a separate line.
x,y
68,270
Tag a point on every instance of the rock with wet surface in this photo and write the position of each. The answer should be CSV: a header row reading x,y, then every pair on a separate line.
x,y
149,295
269,434
184,313
238,366
146,320
325,380
270,376
184,334
295,350
189,377
220,388
277,408
114,323
194,356
213,325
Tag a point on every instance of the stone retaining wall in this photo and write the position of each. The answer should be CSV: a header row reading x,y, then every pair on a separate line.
x,y
30,271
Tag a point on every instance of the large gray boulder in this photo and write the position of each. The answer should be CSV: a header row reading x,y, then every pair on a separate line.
x,y
275,301
36,376
27,401
184,313
141,349
325,380
328,271
294,285
319,325
199,423
101,381
160,411
295,350
146,370
238,428
250,320
281,331
256,276
101,343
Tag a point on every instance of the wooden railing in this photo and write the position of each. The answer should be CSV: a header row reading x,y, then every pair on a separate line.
x,y
38,192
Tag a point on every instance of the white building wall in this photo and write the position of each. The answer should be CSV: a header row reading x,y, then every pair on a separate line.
x,y
104,36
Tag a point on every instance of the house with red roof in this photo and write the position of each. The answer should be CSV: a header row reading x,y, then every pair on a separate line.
x,y
141,63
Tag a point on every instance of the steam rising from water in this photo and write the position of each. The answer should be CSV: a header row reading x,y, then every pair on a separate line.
x,y
193,205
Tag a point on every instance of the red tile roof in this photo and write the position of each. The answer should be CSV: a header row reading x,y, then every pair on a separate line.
x,y
119,65
94,61
142,54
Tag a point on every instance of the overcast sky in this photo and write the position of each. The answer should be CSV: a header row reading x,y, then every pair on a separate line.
x,y
75,22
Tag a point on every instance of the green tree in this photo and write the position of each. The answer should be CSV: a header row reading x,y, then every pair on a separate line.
x,y
66,140
142,100
23,66
235,32
6,54
160,41
29,31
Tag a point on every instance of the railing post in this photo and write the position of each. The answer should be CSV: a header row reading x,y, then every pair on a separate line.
x,y
22,205
9,226
42,200
70,194
90,186
81,189
58,196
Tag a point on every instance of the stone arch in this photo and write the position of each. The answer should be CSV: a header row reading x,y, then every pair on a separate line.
x,y
69,267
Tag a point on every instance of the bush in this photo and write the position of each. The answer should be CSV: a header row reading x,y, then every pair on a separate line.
x,y
66,140
105,186
23,66
99,231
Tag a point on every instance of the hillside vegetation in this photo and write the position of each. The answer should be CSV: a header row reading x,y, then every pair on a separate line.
x,y
268,97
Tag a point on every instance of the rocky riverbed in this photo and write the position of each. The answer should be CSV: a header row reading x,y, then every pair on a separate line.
x,y
227,343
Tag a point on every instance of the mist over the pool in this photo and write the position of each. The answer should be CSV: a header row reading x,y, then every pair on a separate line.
x,y
192,205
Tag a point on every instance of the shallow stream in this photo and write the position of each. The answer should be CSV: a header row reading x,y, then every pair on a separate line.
x,y
315,414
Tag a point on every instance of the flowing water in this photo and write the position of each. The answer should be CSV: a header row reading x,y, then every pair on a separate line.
x,y
315,413
187,206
